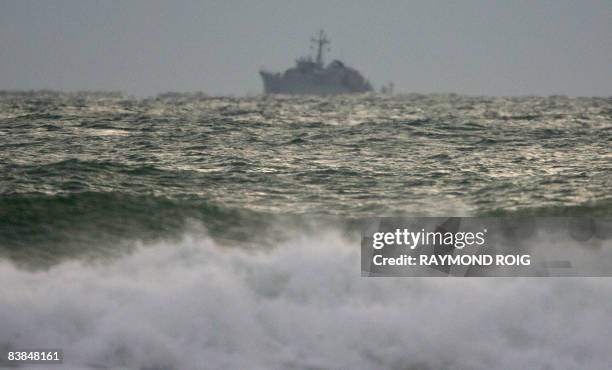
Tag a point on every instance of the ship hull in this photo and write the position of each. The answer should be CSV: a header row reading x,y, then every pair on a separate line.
x,y
296,83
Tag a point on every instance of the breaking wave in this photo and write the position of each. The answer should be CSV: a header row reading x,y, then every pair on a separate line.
x,y
123,281
195,304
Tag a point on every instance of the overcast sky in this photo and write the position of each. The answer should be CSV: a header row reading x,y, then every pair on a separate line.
x,y
143,47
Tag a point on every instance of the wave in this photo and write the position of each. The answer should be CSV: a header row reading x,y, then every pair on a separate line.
x,y
176,295
42,229
195,304
600,208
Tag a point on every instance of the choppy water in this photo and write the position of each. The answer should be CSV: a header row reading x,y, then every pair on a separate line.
x,y
188,232
346,155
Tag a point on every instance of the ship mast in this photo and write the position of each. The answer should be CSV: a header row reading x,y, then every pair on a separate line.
x,y
321,41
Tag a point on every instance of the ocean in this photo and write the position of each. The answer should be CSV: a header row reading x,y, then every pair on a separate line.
x,y
184,231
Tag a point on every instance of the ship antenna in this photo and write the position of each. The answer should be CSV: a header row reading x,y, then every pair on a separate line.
x,y
321,41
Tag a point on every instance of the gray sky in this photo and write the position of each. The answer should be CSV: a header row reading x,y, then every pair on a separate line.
x,y
509,47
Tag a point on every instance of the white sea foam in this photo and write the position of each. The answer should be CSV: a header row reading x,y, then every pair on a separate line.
x,y
301,305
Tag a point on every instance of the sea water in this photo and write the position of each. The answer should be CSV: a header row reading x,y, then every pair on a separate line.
x,y
192,232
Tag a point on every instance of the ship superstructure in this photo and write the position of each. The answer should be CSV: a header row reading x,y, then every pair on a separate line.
x,y
311,76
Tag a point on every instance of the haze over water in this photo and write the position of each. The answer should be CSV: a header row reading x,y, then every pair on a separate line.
x,y
146,47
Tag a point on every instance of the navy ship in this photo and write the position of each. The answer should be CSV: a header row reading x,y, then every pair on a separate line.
x,y
312,77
